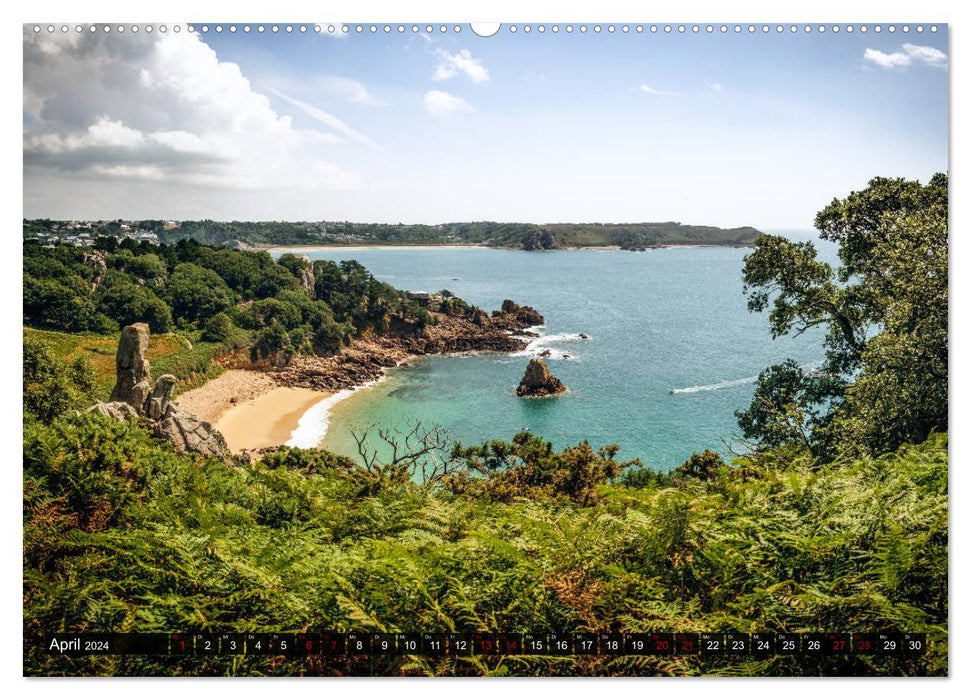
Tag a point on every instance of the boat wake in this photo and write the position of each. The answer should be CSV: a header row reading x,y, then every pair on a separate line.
x,y
808,369
716,386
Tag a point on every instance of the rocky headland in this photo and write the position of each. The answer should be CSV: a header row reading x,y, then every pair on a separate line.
x,y
366,359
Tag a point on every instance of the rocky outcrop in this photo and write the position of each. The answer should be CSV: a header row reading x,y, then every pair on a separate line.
x,y
97,261
158,402
131,367
366,359
307,280
134,398
189,434
525,315
537,381
116,410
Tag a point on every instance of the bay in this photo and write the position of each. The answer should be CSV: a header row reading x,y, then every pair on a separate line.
x,y
672,350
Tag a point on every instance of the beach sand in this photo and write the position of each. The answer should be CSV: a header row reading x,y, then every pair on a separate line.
x,y
249,408
234,386
266,420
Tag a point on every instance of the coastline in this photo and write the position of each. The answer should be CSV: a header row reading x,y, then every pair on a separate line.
x,y
256,409
357,246
267,420
465,246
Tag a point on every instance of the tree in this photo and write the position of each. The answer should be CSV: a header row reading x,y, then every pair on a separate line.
x,y
265,311
218,328
884,381
702,465
196,293
53,386
129,303
66,307
529,468
146,267
272,342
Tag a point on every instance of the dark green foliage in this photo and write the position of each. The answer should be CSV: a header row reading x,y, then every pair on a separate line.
x,y
61,305
128,303
705,466
146,267
529,468
273,342
51,385
196,293
218,328
788,406
885,309
193,288
125,535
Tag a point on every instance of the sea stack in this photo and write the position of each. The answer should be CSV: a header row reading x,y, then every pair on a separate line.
x,y
539,382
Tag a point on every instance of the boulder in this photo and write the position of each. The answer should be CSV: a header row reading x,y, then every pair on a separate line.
x,y
116,410
132,374
537,381
478,316
190,434
158,402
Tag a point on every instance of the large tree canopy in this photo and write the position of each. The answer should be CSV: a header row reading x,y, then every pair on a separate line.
x,y
885,308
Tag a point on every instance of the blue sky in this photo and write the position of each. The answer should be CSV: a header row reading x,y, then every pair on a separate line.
x,y
720,129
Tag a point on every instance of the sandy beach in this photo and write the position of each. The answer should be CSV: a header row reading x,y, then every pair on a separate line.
x,y
289,248
250,408
268,419
234,386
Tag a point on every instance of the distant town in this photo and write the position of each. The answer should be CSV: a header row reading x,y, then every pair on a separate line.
x,y
83,233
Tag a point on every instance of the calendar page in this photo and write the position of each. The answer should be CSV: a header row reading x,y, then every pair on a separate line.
x,y
517,349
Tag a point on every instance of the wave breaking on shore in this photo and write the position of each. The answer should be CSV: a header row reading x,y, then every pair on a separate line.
x,y
313,424
540,346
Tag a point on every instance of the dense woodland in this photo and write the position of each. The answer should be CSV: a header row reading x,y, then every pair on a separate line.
x,y
278,308
635,236
834,519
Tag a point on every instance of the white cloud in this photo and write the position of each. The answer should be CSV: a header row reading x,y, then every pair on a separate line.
x,y
346,89
443,104
926,54
160,107
451,64
717,87
651,91
911,53
330,120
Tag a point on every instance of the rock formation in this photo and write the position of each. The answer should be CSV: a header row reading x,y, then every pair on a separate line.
x,y
133,397
526,315
537,381
131,368
307,280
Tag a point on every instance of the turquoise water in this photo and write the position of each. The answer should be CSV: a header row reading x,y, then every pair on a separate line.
x,y
662,320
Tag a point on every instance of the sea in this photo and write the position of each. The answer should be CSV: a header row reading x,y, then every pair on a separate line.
x,y
671,351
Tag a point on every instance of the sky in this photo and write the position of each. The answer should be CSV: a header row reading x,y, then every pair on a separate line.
x,y
717,129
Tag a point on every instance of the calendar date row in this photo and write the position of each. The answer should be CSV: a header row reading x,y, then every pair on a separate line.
x,y
489,644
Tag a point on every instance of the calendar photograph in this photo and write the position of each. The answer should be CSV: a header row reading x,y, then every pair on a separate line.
x,y
462,350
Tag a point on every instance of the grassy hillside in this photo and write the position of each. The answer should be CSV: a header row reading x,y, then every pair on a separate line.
x,y
128,536
187,357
